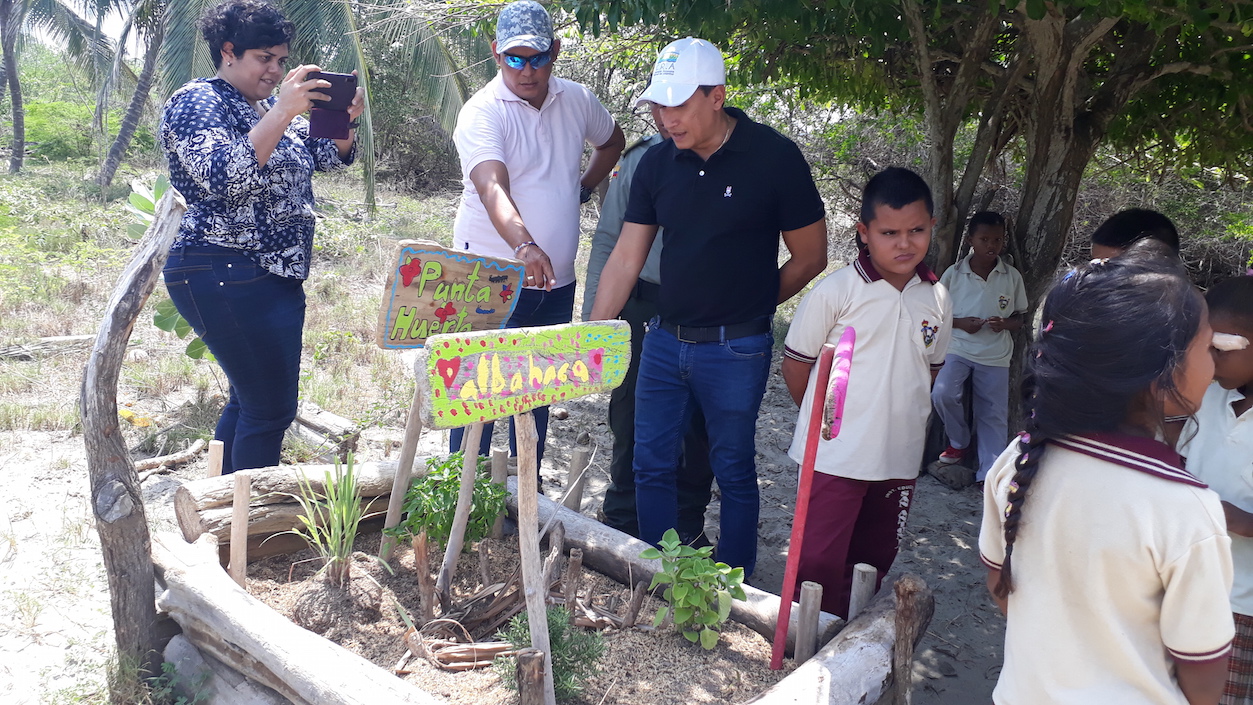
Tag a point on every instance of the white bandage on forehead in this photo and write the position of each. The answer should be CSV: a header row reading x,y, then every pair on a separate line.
x,y
1228,342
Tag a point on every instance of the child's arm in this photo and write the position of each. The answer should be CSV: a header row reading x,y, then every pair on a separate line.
x,y
1202,681
1239,522
1011,324
796,377
994,579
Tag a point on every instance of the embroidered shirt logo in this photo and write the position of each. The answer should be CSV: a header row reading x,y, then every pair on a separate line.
x,y
1004,302
728,193
928,333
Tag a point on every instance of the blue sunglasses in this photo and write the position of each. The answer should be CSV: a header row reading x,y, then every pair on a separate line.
x,y
539,61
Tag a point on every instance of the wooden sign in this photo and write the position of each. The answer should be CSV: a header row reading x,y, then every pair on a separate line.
x,y
432,289
480,376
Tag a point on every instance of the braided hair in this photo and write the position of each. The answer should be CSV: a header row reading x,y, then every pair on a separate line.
x,y
1111,329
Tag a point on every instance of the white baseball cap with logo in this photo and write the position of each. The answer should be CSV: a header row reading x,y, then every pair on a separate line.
x,y
681,68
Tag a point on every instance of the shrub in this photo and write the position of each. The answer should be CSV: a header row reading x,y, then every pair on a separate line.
x,y
431,502
700,590
576,652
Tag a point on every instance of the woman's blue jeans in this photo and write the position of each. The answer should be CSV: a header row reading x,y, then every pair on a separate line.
x,y
252,321
727,380
536,307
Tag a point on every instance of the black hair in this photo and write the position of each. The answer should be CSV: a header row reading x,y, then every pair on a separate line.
x,y
1126,227
895,187
1232,298
989,218
246,24
706,89
1110,330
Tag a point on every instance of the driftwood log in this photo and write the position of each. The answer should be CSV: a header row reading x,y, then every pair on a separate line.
x,y
116,498
207,681
46,346
228,624
617,555
855,668
333,435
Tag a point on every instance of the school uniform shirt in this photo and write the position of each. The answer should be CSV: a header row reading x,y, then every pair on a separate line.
x,y
1121,567
1219,448
1001,294
542,149
901,337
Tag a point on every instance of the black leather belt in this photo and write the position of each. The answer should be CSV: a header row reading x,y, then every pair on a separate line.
x,y
710,334
646,291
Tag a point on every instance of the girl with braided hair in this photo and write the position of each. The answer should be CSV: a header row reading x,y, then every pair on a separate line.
x,y
1111,562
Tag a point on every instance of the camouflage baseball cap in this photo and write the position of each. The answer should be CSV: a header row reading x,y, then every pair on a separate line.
x,y
524,23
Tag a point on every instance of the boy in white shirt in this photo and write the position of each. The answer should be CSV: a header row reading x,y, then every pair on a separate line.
x,y
1218,443
989,299
864,478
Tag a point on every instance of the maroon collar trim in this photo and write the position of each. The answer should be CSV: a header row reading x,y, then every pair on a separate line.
x,y
869,274
1135,452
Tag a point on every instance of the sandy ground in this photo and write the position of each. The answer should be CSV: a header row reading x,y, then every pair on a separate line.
x,y
55,623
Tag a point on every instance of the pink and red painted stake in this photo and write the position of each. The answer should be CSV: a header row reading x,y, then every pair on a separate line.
x,y
834,364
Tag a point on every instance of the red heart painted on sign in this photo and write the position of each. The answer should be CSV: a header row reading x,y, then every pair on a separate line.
x,y
597,358
410,270
443,313
447,370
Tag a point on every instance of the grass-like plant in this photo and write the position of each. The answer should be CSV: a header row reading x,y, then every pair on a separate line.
x,y
431,502
329,519
576,652
700,589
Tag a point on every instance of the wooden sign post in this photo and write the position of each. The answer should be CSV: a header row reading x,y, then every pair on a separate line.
x,y
432,289
471,378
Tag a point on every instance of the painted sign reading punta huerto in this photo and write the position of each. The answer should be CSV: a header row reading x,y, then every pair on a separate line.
x,y
432,289
480,376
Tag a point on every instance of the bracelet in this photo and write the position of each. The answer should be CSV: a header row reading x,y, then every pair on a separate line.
x,y
518,249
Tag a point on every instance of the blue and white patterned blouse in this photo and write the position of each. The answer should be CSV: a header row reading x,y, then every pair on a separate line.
x,y
265,211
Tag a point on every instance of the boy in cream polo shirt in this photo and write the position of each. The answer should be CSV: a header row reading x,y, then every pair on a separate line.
x,y
989,300
865,476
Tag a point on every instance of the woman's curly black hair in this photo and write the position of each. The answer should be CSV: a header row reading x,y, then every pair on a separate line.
x,y
246,24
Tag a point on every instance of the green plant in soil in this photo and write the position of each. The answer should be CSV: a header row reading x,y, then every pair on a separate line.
x,y
700,589
330,519
431,502
576,652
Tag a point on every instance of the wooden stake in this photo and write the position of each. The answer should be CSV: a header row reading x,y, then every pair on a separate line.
x,y
500,473
632,614
528,544
864,578
556,547
530,676
574,575
239,527
426,588
807,628
452,551
215,459
576,478
400,484
914,608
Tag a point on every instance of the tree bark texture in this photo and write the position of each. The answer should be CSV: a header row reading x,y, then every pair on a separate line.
x,y
11,16
134,110
115,493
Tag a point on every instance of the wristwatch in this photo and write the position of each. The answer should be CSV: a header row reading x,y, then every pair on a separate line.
x,y
585,193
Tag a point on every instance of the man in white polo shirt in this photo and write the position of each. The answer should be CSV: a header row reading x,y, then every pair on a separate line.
x,y
520,139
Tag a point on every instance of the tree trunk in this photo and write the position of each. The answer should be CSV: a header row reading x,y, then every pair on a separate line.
x,y
134,111
10,25
117,501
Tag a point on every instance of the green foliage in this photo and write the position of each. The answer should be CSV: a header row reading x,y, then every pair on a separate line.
x,y
329,519
576,652
700,589
163,689
431,502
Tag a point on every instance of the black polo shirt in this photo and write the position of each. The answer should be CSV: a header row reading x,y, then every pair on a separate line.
x,y
721,221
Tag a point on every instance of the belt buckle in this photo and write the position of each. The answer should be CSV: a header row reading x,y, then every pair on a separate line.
x,y
678,334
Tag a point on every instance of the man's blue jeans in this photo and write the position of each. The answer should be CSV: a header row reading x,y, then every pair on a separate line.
x,y
252,321
727,379
536,307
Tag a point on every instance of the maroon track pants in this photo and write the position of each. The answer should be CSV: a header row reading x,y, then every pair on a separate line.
x,y
850,522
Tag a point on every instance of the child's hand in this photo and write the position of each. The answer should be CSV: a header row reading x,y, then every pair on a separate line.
x,y
1239,522
996,323
970,324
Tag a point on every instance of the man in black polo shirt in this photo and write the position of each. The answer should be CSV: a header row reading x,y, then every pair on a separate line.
x,y
724,188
